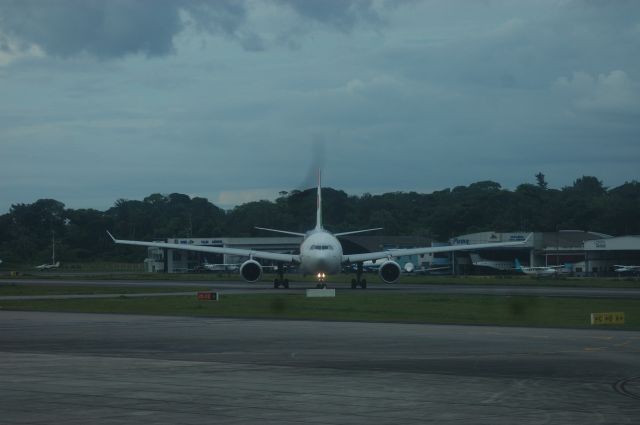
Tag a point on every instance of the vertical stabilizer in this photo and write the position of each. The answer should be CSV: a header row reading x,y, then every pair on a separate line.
x,y
319,205
53,247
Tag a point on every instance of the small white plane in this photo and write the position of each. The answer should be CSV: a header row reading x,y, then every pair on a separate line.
x,y
219,267
320,254
539,271
477,260
618,268
54,264
410,268
48,266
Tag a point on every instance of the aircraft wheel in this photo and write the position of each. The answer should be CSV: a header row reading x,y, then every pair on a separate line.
x,y
286,283
363,283
276,283
354,285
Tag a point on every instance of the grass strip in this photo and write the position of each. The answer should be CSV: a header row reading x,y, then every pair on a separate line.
x,y
507,280
449,309
26,290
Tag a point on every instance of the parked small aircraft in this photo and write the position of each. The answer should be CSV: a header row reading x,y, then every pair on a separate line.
x,y
48,266
539,270
219,267
54,264
624,269
476,260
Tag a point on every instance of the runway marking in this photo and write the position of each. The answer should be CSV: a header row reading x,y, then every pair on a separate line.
x,y
602,337
595,348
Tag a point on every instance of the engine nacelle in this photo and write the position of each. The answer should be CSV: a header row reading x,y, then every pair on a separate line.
x,y
389,271
251,271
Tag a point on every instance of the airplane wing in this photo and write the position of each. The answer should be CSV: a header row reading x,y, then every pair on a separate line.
x,y
274,256
393,253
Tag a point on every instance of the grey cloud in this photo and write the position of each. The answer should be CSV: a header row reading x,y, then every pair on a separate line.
x,y
225,17
115,28
612,92
252,42
219,16
102,28
341,14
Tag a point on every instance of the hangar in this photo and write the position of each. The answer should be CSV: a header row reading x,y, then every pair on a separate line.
x,y
588,253
601,255
177,261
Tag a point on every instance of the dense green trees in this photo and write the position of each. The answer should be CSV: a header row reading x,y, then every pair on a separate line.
x,y
26,230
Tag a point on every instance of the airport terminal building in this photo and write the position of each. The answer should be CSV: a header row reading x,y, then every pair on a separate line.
x,y
586,253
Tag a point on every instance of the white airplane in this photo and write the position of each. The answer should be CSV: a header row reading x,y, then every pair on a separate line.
x,y
477,260
410,268
539,270
54,264
219,267
48,266
618,268
320,254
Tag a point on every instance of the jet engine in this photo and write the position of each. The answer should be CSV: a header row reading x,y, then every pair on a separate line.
x,y
251,270
389,271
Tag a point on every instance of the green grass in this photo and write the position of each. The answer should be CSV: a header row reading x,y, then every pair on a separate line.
x,y
16,289
515,280
477,310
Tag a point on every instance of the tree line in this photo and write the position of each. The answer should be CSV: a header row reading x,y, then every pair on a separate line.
x,y
26,230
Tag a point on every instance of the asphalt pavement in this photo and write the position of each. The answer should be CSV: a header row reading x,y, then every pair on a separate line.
x,y
127,369
236,287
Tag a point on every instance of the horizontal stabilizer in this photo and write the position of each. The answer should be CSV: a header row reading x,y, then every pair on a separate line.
x,y
356,231
286,232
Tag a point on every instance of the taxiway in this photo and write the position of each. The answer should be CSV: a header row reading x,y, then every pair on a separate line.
x,y
237,287
126,369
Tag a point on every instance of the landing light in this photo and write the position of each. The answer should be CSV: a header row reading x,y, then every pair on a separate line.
x,y
321,276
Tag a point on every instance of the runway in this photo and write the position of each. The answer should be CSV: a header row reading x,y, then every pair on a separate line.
x,y
122,369
239,287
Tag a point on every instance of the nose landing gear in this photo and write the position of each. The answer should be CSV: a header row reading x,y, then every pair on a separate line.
x,y
321,283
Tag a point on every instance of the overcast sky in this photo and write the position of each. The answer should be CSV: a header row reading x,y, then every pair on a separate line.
x,y
237,100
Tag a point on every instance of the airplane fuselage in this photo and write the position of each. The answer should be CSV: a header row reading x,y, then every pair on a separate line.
x,y
320,252
535,271
625,269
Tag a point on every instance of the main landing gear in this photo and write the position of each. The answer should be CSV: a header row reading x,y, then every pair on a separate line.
x,y
280,280
358,281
